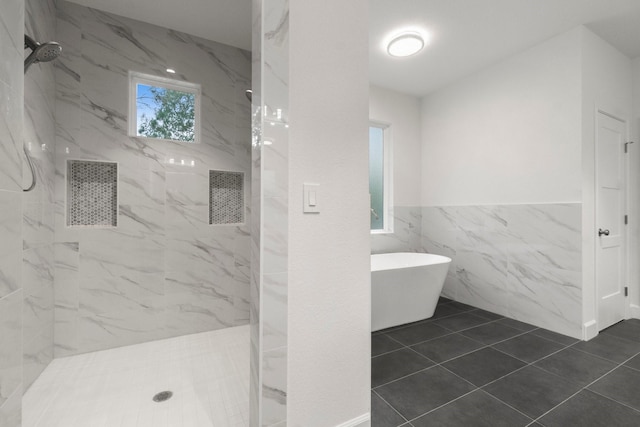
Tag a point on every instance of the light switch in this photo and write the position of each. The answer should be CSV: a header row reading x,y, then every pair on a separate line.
x,y
310,202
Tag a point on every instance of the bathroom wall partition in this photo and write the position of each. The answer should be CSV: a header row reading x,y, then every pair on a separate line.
x,y
269,233
162,270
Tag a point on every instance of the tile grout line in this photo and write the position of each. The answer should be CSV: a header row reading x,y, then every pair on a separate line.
x,y
391,406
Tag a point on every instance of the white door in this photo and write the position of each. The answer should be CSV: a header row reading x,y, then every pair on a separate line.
x,y
610,227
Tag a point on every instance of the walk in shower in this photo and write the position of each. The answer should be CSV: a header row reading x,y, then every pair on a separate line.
x,y
136,236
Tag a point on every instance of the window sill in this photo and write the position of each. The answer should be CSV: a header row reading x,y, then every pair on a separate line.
x,y
373,232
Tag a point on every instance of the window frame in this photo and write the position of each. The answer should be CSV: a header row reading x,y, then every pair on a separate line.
x,y
136,78
387,186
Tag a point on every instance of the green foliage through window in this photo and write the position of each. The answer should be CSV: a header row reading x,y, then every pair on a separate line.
x,y
165,113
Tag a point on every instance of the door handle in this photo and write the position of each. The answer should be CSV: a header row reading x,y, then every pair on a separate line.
x,y
602,232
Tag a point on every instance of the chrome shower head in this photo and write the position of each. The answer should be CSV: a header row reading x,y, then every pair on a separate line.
x,y
249,94
41,52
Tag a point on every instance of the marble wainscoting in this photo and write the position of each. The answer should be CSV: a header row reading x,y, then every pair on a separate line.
x,y
163,271
406,235
521,261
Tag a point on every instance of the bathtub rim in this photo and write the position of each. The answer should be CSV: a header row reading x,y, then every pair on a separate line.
x,y
435,259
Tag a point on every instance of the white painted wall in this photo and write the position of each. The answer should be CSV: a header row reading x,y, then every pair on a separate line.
x,y
606,84
634,179
507,134
329,267
402,113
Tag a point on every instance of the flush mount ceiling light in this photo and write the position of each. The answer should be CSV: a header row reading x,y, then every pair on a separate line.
x,y
171,70
405,44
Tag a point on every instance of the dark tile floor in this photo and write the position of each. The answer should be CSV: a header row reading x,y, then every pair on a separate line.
x,y
471,368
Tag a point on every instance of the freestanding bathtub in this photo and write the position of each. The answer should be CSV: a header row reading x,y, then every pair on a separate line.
x,y
405,287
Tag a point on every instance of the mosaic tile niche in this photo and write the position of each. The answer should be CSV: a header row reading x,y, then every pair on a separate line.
x,y
92,193
226,197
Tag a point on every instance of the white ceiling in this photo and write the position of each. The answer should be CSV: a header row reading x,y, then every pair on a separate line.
x,y
224,21
467,35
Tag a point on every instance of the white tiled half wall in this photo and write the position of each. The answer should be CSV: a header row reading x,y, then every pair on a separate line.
x,y
521,261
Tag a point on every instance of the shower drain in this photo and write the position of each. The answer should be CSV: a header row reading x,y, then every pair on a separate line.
x,y
162,396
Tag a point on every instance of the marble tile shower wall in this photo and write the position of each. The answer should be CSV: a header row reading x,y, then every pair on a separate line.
x,y
38,205
11,130
521,261
163,271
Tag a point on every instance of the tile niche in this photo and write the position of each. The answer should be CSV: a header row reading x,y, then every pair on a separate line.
x,y
92,194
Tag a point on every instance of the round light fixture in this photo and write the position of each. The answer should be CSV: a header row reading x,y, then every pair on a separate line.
x,y
171,71
405,44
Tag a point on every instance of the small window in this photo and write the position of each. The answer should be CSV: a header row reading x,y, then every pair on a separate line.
x,y
163,108
379,178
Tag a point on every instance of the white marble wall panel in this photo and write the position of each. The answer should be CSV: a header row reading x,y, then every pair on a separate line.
x,y
11,247
269,295
163,271
255,284
11,411
11,94
67,299
406,235
274,386
11,348
39,133
521,261
12,15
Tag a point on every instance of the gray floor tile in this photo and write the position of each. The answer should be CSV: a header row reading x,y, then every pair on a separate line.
x,y
460,321
477,409
610,347
589,409
633,363
445,310
447,347
621,385
491,333
383,344
417,333
532,390
391,366
383,415
419,393
462,306
577,366
554,336
487,314
528,347
629,329
483,366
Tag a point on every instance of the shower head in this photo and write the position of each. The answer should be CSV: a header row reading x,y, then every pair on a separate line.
x,y
41,52
249,94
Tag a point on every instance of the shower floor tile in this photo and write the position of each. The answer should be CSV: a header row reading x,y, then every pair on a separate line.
x,y
208,374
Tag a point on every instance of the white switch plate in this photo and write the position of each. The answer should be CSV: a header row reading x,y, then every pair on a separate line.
x,y
311,201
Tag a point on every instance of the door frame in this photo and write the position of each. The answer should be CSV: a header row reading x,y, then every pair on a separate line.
x,y
625,246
